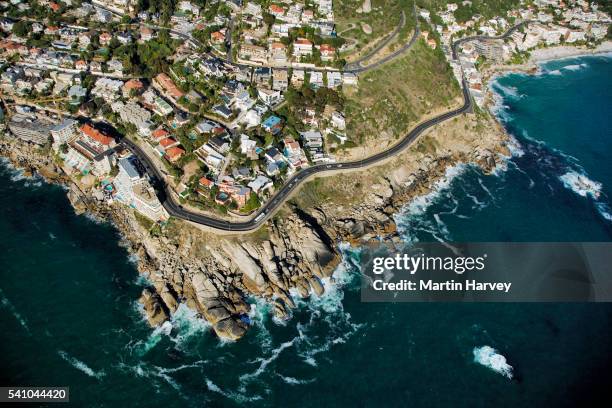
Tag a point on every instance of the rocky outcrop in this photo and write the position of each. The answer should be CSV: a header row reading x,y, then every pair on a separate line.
x,y
154,307
213,275
296,254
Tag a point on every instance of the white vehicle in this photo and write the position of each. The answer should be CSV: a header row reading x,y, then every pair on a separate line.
x,y
260,217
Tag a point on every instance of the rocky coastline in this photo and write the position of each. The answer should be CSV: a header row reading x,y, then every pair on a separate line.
x,y
296,250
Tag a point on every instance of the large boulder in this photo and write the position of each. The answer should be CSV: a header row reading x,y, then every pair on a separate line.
x,y
154,307
230,329
247,265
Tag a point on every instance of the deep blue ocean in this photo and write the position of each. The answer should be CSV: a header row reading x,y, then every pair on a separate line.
x,y
68,290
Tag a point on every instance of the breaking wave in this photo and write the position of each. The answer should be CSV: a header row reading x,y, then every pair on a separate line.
x,y
143,347
489,357
188,325
410,217
183,326
581,184
79,365
17,174
506,91
575,67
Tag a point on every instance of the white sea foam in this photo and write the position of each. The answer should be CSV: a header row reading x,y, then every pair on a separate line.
x,y
259,315
410,217
477,203
507,91
142,280
264,362
498,108
294,381
11,308
554,72
581,184
79,365
516,150
489,357
184,325
133,259
604,210
94,218
143,347
575,67
486,190
17,174
420,204
238,397
146,370
187,324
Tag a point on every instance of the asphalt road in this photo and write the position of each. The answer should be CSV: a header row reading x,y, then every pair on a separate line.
x,y
357,63
176,210
228,60
268,209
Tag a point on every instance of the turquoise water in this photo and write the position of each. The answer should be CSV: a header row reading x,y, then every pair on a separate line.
x,y
68,291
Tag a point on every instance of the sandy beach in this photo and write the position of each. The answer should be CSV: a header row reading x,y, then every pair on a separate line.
x,y
567,51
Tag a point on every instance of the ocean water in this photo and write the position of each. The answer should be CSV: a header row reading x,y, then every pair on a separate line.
x,y
68,291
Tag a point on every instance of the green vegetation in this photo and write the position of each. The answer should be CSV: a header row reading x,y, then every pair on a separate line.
x,y
487,8
393,98
426,145
144,222
252,204
147,59
383,18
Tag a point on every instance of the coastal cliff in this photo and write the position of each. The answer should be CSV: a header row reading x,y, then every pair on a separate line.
x,y
296,250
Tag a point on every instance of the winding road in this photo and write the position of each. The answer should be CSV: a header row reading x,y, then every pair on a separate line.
x,y
354,68
273,204
167,199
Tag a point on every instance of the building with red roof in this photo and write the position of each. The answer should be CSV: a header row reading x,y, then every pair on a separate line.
x,y
276,10
168,86
174,153
168,142
159,134
97,136
132,85
208,183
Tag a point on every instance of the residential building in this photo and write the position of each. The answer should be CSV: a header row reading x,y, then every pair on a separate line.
x,y
167,87
63,133
269,96
302,47
280,80
30,129
253,53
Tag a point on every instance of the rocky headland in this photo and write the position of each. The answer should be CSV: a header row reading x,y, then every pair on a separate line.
x,y
297,248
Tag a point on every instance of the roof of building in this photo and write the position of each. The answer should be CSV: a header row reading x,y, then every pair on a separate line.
x,y
96,135
206,182
167,142
159,133
127,164
167,83
133,84
174,152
